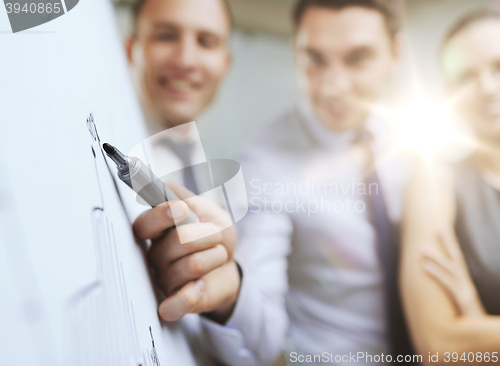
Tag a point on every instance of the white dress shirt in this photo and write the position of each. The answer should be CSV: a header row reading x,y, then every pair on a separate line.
x,y
312,282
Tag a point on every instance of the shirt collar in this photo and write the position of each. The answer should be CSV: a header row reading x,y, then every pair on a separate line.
x,y
325,137
331,139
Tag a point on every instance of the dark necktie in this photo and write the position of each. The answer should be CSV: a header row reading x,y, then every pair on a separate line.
x,y
388,252
183,152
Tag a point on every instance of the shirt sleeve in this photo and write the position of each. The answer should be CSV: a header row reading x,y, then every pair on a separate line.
x,y
256,332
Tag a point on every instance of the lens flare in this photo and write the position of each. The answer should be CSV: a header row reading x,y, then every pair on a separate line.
x,y
429,128
425,127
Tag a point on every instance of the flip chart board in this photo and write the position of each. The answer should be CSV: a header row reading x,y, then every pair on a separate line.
x,y
75,287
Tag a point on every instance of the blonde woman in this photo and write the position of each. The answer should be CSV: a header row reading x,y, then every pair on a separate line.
x,y
450,276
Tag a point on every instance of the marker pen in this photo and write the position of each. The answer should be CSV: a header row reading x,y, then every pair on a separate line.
x,y
143,181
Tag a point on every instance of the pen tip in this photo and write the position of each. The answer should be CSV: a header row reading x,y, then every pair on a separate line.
x,y
108,148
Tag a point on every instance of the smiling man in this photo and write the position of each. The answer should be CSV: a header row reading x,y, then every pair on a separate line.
x,y
179,55
344,58
319,247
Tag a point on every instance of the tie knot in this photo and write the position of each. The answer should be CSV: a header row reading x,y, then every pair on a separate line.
x,y
183,150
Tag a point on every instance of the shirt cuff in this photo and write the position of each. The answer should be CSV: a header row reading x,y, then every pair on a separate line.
x,y
229,342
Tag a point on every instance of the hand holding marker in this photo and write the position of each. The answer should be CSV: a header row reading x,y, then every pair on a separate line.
x,y
142,180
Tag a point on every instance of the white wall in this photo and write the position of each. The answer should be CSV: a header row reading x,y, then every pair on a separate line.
x,y
261,85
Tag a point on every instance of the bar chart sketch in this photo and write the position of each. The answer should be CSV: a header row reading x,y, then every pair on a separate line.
x,y
99,318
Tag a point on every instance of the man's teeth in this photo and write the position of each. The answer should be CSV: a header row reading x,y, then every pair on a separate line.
x,y
180,85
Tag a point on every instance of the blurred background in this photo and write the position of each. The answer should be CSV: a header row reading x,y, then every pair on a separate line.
x,y
262,82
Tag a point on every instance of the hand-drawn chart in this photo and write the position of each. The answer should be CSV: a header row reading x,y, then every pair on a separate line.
x,y
101,324
75,286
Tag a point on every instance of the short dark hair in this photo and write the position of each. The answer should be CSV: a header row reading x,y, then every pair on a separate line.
x,y
391,10
136,11
139,4
467,20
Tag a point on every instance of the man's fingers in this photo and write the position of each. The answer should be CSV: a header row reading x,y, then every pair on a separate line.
x,y
199,233
183,301
169,248
191,267
218,286
152,223
205,242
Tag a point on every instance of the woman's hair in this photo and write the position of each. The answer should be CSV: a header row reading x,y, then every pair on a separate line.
x,y
467,20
